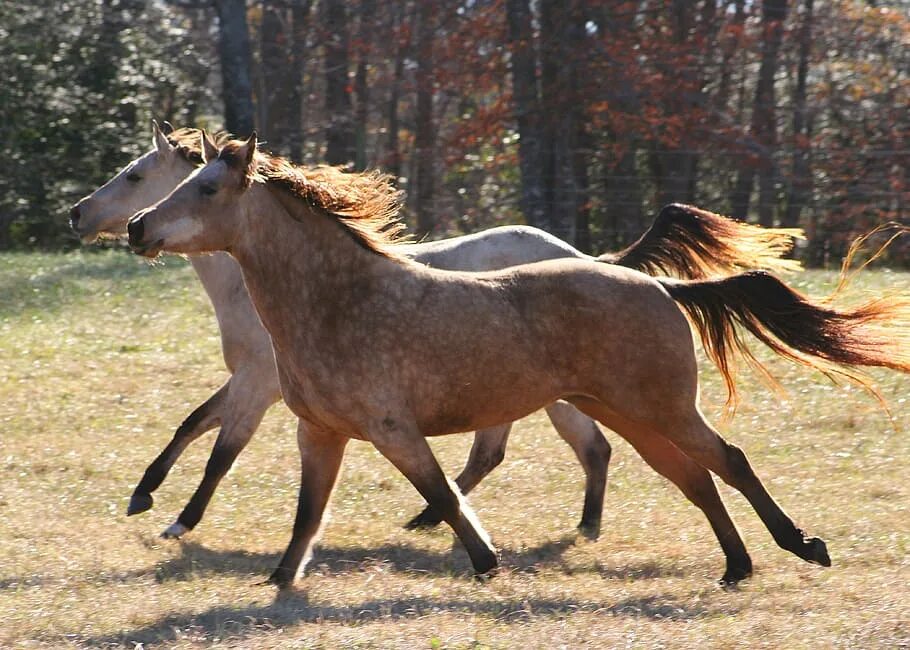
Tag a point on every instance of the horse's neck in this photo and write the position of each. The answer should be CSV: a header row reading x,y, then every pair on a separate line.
x,y
238,322
299,268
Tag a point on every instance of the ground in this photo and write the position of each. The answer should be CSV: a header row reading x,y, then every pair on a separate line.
x,y
102,355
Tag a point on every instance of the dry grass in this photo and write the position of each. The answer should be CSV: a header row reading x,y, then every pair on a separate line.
x,y
102,356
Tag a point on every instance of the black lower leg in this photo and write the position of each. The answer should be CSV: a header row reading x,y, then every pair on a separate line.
x,y
487,453
596,463
430,517
219,463
191,428
284,574
782,528
154,475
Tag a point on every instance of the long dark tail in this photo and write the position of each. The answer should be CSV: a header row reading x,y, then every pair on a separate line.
x,y
833,341
693,243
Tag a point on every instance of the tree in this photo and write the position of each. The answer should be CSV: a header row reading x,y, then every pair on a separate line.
x,y
339,134
764,115
300,12
526,107
234,54
425,135
801,177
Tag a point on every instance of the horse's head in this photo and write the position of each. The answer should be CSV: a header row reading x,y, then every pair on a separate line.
x,y
143,182
203,213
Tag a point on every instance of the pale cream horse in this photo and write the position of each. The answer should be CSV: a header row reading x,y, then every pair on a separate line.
x,y
683,239
373,346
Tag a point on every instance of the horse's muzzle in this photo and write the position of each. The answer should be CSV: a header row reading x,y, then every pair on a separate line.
x,y
136,231
135,228
74,218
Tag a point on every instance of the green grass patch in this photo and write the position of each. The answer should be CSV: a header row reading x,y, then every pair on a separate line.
x,y
102,356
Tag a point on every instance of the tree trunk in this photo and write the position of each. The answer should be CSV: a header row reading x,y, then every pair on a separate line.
x,y
424,137
584,145
234,52
272,101
551,109
300,12
622,185
676,165
361,88
526,106
623,198
571,148
763,128
393,148
729,44
339,136
801,179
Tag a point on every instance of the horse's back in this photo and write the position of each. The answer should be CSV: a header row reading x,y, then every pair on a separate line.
x,y
614,326
495,248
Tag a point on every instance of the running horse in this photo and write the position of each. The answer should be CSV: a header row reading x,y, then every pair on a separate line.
x,y
683,239
371,345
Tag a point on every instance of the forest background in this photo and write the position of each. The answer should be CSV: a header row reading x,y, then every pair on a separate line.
x,y
582,118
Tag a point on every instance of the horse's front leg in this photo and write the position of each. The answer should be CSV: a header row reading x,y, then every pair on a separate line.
x,y
403,445
487,453
206,416
321,453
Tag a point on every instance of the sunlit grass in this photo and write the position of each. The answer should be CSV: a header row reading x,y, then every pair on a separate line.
x,y
101,356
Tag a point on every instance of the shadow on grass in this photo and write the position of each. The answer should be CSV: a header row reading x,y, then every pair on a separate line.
x,y
196,560
399,558
237,623
294,606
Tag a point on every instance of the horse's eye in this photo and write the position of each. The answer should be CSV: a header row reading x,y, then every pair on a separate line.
x,y
207,190
133,177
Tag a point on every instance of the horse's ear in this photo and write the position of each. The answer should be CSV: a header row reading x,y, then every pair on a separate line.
x,y
167,128
246,151
209,149
159,139
250,149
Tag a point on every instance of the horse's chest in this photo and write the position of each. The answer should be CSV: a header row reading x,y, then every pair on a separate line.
x,y
320,396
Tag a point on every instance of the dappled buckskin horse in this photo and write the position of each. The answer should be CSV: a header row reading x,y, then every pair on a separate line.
x,y
684,240
371,345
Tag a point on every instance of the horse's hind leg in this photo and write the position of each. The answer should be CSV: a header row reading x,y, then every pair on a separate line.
x,y
593,452
487,452
242,415
698,440
693,480
204,418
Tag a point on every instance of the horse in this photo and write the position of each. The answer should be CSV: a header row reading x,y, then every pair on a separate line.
x,y
683,239
371,345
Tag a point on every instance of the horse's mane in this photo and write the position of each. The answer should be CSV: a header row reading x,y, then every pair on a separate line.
x,y
366,204
187,141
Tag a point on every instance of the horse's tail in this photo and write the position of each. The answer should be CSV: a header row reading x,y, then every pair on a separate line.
x,y
876,333
694,243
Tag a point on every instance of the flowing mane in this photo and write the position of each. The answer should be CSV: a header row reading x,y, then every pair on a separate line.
x,y
187,142
366,204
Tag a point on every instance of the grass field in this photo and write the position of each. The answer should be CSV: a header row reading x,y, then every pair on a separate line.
x,y
101,357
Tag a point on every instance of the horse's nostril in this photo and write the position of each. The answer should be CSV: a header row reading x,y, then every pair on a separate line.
x,y
135,229
74,217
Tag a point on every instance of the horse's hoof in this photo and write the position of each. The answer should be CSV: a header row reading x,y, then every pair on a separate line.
x,y
816,551
735,574
483,578
280,578
175,531
139,503
589,530
486,564
424,521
